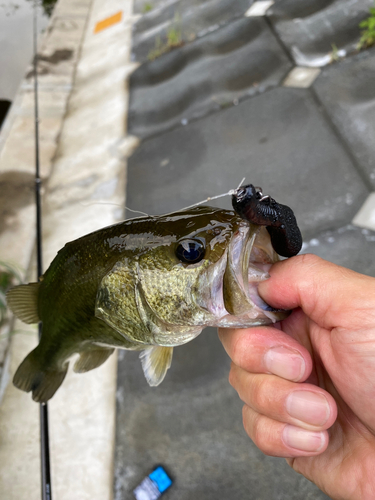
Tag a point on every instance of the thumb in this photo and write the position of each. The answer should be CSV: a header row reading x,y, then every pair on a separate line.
x,y
330,295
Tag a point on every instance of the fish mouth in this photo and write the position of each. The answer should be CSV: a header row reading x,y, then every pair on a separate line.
x,y
234,298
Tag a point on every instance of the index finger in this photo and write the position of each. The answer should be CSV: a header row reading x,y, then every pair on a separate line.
x,y
267,350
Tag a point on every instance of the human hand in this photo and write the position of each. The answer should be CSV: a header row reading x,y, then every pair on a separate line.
x,y
314,372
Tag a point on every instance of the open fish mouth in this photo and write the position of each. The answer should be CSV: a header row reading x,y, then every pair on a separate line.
x,y
234,298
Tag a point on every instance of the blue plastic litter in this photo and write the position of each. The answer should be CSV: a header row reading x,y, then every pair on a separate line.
x,y
161,478
154,485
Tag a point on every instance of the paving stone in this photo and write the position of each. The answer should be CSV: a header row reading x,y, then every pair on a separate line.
x,y
301,77
58,56
313,30
278,140
238,60
16,51
185,19
347,246
366,216
259,8
347,91
192,424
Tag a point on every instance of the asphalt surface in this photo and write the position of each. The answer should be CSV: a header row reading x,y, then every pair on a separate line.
x,y
212,111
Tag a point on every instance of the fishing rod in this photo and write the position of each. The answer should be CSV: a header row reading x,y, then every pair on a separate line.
x,y
43,408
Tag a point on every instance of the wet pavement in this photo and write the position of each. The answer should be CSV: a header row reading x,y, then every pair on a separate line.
x,y
16,43
285,100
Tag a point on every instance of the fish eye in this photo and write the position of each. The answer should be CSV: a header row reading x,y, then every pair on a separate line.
x,y
190,251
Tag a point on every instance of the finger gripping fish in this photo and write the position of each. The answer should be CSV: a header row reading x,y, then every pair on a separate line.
x,y
146,284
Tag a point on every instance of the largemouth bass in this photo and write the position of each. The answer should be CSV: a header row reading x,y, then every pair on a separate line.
x,y
147,284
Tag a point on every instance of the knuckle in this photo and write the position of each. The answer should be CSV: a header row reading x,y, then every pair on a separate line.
x,y
232,377
261,393
238,350
247,421
260,436
255,426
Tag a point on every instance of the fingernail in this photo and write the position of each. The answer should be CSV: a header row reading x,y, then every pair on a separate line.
x,y
303,440
284,362
310,407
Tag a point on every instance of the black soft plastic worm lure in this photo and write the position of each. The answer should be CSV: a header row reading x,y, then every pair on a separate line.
x,y
250,204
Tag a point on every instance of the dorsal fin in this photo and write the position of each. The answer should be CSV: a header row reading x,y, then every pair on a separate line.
x,y
155,362
23,302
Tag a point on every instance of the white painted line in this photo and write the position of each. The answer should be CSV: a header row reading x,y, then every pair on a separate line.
x,y
366,215
300,77
259,8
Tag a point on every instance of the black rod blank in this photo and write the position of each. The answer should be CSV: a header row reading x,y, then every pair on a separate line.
x,y
43,409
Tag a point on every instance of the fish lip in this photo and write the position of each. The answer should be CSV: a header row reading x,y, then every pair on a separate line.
x,y
250,255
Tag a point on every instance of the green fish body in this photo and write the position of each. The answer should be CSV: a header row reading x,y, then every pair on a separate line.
x,y
147,284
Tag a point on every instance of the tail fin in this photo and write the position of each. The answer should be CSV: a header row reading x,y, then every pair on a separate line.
x,y
23,301
30,376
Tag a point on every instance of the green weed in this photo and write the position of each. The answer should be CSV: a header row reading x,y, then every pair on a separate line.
x,y
9,276
335,52
173,40
48,6
173,37
147,7
368,31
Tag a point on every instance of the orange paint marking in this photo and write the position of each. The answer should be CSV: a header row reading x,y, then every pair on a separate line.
x,y
109,21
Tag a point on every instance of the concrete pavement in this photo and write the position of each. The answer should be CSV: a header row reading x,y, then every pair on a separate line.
x,y
83,106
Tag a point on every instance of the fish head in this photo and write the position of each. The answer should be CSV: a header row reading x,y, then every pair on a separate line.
x,y
184,271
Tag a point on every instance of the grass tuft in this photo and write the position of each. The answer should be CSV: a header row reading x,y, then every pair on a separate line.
x,y
172,41
9,276
368,31
147,7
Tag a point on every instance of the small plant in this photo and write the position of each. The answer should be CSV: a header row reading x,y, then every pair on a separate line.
x,y
173,40
173,37
48,6
9,276
158,50
368,34
147,7
335,53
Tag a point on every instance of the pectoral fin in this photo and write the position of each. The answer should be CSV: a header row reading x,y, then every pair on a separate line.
x,y
23,301
88,360
155,362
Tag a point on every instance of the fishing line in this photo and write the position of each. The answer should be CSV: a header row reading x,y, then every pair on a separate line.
x,y
90,203
43,408
229,193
